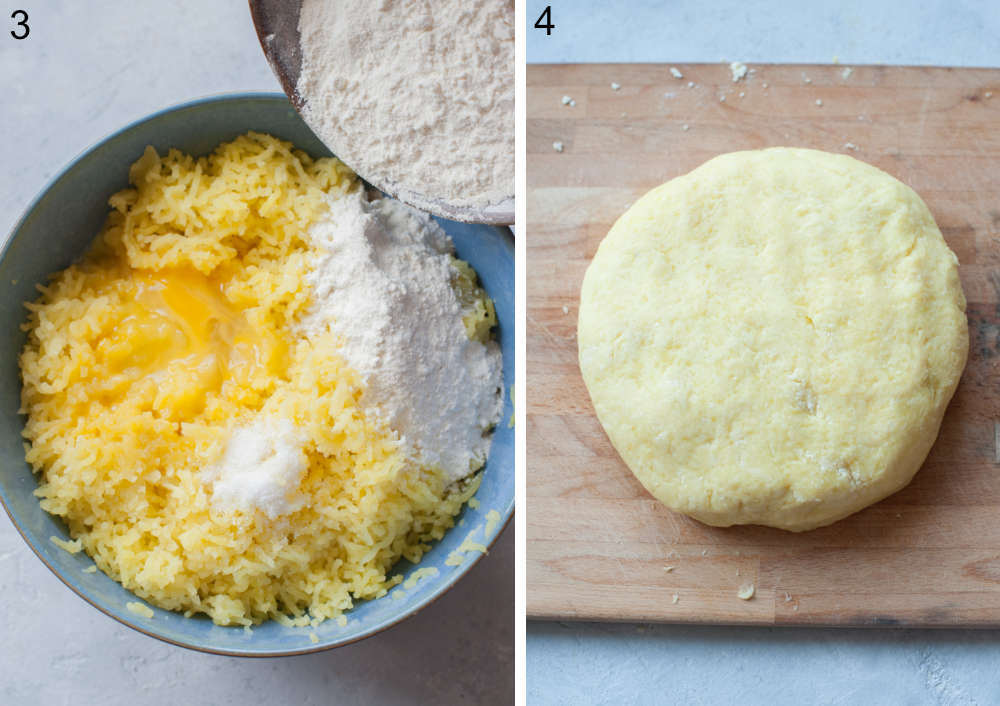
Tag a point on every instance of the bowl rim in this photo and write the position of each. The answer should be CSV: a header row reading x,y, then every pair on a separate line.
x,y
454,576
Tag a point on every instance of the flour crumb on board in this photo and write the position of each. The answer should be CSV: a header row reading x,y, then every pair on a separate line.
x,y
806,79
675,598
988,94
704,552
615,86
764,84
675,72
850,146
722,99
669,94
788,597
846,73
568,101
690,84
557,146
668,569
746,592
742,94
685,127
738,69
565,309
819,102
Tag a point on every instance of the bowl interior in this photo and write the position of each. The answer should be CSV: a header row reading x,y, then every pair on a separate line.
x,y
57,229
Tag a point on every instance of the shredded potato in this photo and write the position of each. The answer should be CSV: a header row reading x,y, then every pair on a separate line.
x,y
118,449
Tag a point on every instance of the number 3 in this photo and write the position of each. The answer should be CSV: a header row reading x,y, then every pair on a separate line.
x,y
23,22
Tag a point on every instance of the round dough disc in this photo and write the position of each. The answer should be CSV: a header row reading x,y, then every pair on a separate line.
x,y
773,338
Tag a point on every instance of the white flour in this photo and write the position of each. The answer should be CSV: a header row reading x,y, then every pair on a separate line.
x,y
416,96
384,287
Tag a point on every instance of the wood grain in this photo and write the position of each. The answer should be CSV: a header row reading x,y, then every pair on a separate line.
x,y
598,544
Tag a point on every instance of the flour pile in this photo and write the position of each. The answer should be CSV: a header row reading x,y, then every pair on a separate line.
x,y
383,285
417,97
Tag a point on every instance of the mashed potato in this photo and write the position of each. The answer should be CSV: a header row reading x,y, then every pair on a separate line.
x,y
173,329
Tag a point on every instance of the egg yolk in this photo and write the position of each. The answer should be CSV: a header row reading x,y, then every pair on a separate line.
x,y
182,335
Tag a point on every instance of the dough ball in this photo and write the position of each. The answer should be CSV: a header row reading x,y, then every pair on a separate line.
x,y
773,338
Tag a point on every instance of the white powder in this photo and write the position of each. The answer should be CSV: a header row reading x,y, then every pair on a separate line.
x,y
738,69
384,286
415,96
261,467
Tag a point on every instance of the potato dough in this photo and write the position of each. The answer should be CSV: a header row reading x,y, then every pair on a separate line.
x,y
773,338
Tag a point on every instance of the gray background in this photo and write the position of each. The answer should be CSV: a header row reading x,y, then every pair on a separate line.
x,y
644,664
89,68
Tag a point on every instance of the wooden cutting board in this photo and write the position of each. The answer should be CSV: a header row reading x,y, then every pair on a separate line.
x,y
598,544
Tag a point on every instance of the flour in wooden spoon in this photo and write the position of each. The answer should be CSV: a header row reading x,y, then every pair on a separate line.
x,y
383,285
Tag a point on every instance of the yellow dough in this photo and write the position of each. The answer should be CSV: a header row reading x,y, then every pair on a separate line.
x,y
773,338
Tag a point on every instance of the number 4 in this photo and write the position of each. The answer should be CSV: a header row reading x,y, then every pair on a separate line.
x,y
545,17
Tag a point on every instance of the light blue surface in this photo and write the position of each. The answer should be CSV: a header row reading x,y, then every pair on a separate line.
x,y
956,33
692,666
58,227
579,663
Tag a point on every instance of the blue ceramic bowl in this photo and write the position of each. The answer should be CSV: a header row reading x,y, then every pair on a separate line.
x,y
56,230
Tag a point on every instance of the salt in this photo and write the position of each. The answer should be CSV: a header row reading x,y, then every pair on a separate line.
x,y
261,467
